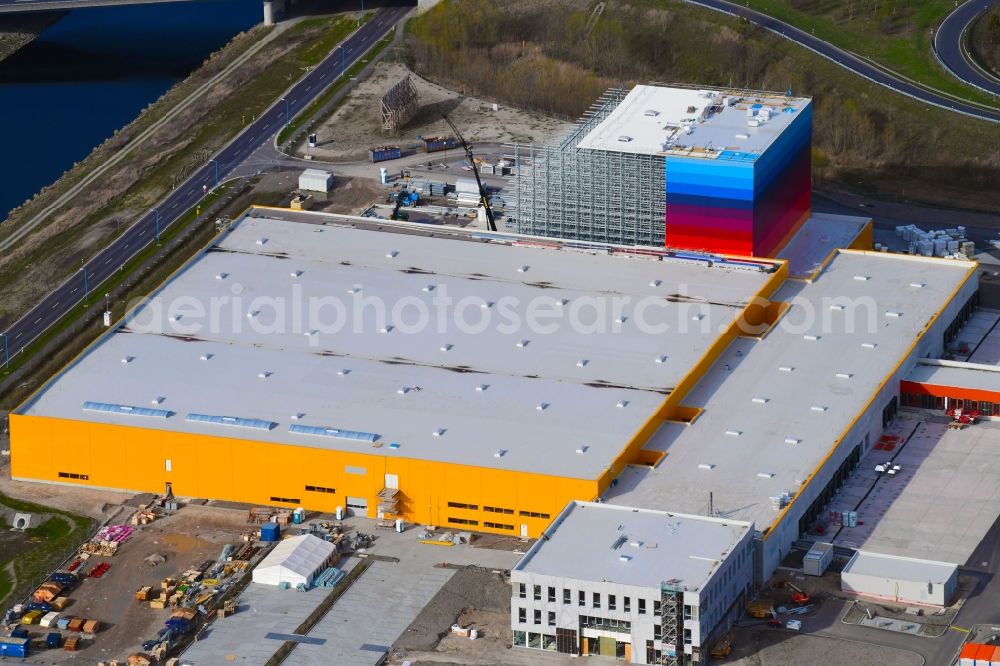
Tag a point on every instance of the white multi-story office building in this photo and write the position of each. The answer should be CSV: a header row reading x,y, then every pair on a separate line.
x,y
640,585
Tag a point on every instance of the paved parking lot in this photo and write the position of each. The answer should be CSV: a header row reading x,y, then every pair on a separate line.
x,y
942,502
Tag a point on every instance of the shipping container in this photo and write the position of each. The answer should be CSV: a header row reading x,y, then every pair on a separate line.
x,y
53,639
31,617
49,619
179,624
91,626
434,144
14,647
817,559
383,153
62,623
270,532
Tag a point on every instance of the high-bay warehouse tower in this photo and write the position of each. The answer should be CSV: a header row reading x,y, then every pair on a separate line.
x,y
712,170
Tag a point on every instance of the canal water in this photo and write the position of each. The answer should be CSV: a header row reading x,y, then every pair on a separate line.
x,y
93,72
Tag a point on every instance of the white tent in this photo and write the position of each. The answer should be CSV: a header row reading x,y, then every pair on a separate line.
x,y
293,561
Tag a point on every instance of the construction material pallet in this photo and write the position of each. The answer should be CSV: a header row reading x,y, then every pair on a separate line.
x,y
99,570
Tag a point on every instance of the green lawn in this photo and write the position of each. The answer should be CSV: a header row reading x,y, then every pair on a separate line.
x,y
52,542
895,34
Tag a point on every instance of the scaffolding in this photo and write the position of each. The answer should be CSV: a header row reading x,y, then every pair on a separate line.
x,y
399,105
587,194
672,623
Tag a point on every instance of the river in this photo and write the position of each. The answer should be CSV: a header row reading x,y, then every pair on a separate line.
x,y
93,72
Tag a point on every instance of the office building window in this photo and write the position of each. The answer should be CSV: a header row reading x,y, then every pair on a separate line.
x,y
522,615
538,616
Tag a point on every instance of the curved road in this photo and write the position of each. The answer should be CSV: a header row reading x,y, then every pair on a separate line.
x,y
147,229
849,61
949,44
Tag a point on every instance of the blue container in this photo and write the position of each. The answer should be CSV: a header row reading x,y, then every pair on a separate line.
x,y
20,632
270,532
14,647
63,623
384,153
53,639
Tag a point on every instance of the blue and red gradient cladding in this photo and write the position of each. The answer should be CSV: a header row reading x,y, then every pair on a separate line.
x,y
742,203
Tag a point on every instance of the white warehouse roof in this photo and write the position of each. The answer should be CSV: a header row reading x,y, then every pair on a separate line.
x,y
775,407
639,547
562,402
656,120
894,567
295,560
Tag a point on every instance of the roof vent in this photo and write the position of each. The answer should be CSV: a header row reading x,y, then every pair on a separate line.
x,y
893,314
622,404
482,387
862,278
811,338
697,317
734,433
221,276
624,139
252,314
311,332
264,375
582,363
438,432
500,453
523,343
298,416
792,440
818,408
391,254
837,306
660,359
918,285
206,357
869,345
429,287
486,305
394,445
523,269
650,113
386,329
844,375
563,301
786,368
655,283
447,347
742,135
706,466
542,406
765,475
403,390
176,317
582,449
355,289
622,319
128,359
295,274
261,240
344,371
158,400
624,558
759,400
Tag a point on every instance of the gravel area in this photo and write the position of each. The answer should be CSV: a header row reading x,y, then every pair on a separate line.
x,y
755,647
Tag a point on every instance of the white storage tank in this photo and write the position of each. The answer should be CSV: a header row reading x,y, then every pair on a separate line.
x,y
316,180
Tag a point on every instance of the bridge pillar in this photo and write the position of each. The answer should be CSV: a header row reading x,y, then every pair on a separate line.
x,y
273,11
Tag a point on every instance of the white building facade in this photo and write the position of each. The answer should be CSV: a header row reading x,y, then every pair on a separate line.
x,y
661,591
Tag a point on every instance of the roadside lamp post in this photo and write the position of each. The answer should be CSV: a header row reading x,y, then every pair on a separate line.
x,y
216,163
86,287
6,352
288,120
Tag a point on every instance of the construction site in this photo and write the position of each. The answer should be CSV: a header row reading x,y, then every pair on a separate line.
x,y
630,378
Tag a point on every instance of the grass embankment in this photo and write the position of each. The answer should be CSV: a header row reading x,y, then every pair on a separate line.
x,y
82,325
292,130
47,257
893,33
984,41
49,544
865,137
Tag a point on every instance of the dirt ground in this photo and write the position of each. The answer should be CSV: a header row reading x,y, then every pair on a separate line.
x,y
186,539
357,125
473,597
97,504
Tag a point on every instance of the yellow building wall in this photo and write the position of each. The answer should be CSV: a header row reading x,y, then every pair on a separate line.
x,y
134,459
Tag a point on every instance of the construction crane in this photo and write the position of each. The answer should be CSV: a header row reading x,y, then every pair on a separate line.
x,y
484,200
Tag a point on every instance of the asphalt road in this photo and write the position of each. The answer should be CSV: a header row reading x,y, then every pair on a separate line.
x,y
148,228
849,61
949,40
